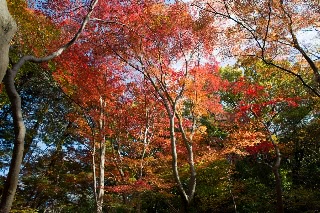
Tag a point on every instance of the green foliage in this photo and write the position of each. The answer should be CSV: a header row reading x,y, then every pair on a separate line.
x,y
214,133
161,202
212,128
230,73
302,200
213,188
257,187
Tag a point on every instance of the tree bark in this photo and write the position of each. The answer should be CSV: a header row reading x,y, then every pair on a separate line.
x,y
11,183
278,190
193,174
101,177
8,27
94,172
176,175
102,156
275,170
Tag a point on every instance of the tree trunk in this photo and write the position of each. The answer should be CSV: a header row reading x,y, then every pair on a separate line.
x,y
94,172
102,156
184,196
278,190
101,177
184,206
188,145
11,183
275,170
8,28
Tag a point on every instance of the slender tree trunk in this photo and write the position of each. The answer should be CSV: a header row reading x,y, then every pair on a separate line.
x,y
275,167
229,174
278,190
101,177
102,156
170,105
188,145
11,183
146,141
184,206
176,175
193,174
275,170
94,172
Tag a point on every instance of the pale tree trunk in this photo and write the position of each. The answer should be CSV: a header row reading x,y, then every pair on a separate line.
x,y
174,155
188,143
101,177
7,29
94,171
145,144
275,169
186,195
102,154
93,155
146,138
229,174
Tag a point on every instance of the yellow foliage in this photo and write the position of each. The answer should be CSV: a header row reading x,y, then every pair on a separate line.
x,y
35,33
25,210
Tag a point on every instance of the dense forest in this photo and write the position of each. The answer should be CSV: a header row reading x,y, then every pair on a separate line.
x,y
159,106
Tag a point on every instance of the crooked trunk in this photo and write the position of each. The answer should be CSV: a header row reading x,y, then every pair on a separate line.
x,y
8,28
11,183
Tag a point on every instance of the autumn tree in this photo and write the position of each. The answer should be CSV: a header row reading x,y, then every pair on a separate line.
x,y
275,32
156,57
259,96
164,44
133,156
120,131
97,97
